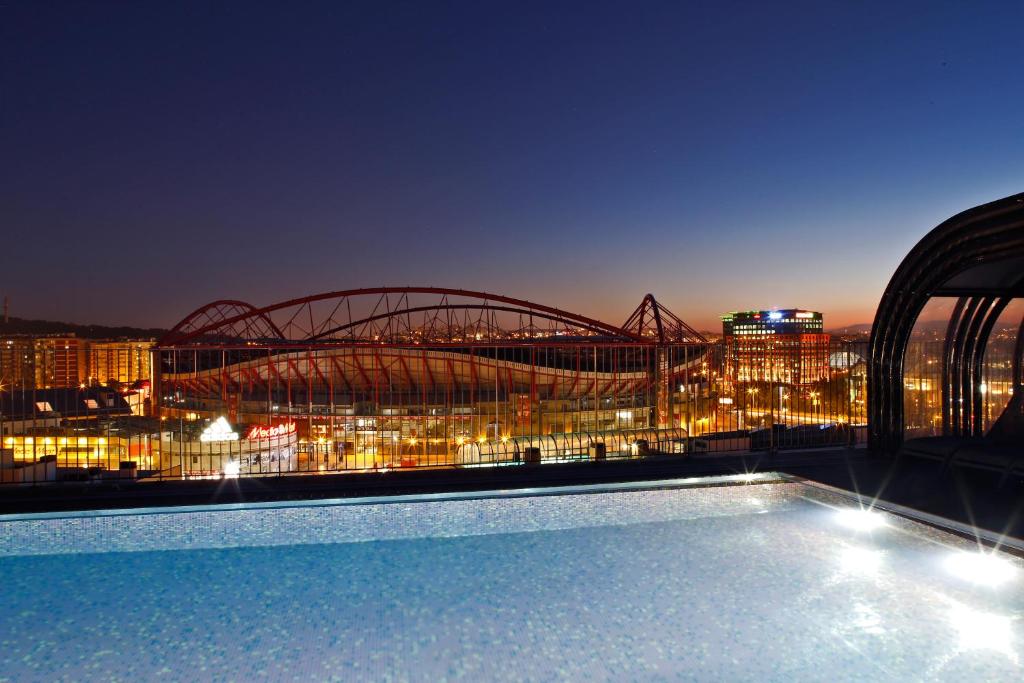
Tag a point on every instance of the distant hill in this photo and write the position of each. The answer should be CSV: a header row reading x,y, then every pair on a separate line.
x,y
858,328
920,327
50,327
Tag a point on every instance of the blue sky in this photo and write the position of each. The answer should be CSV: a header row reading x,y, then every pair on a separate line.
x,y
721,155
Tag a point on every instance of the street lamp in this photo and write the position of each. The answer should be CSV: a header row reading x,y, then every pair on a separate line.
x,y
752,392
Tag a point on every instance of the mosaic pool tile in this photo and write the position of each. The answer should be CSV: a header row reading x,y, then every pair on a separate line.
x,y
724,584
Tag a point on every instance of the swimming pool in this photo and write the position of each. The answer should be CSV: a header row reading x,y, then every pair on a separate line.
x,y
725,579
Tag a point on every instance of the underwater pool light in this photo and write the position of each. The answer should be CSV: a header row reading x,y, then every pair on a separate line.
x,y
983,568
860,519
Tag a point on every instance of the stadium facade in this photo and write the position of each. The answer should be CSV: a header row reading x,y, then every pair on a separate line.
x,y
406,377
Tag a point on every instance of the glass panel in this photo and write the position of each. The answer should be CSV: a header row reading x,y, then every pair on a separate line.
x,y
997,371
922,370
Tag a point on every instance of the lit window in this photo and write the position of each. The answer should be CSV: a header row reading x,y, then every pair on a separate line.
x,y
91,404
44,407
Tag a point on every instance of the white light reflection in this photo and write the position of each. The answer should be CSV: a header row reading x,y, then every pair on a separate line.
x,y
867,619
860,561
981,568
759,504
860,520
983,630
232,468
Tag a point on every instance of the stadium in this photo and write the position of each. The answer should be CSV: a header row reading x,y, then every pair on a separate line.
x,y
407,377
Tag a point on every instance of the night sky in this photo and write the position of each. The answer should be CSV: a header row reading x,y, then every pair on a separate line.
x,y
158,155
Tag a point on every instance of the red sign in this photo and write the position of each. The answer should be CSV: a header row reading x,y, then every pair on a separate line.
x,y
261,432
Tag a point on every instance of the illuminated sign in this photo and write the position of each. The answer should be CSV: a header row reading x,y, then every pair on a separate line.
x,y
775,315
261,432
219,430
804,314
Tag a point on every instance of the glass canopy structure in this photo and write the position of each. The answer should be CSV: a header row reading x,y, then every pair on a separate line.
x,y
945,355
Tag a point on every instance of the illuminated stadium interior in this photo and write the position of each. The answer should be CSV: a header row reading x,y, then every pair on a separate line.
x,y
382,378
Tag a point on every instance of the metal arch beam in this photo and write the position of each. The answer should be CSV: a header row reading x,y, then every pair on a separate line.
x,y
1018,362
448,307
964,375
952,361
519,304
176,335
987,233
976,363
649,308
946,369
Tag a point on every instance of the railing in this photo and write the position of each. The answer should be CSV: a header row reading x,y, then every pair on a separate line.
x,y
590,403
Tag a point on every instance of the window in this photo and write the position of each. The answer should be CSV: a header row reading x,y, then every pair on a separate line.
x,y
44,407
91,404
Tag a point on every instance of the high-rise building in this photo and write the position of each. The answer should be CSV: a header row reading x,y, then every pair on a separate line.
x,y
42,362
58,361
784,346
124,362
17,362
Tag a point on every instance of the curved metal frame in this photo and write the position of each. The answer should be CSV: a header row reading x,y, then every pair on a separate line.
x,y
982,235
218,324
215,315
352,325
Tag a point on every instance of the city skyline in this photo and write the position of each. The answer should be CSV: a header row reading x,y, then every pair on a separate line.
x,y
574,158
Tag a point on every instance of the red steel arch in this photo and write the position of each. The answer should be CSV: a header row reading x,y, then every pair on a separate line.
x,y
237,319
652,320
323,317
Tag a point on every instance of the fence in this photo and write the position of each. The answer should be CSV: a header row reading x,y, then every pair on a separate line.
x,y
306,411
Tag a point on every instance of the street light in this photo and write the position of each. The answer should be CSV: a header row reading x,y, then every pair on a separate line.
x,y
752,392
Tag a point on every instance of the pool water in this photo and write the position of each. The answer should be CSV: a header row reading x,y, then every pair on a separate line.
x,y
764,581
